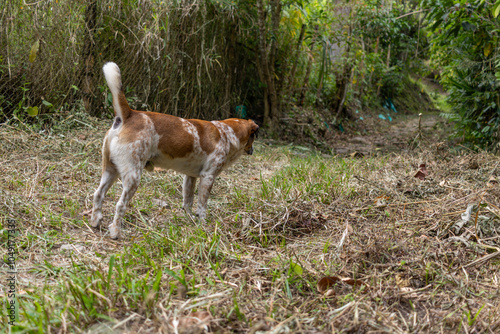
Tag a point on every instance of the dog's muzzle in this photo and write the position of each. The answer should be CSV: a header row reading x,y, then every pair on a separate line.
x,y
249,151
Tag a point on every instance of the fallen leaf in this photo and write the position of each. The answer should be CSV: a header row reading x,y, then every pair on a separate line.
x,y
465,217
421,173
356,154
326,282
330,293
381,201
401,281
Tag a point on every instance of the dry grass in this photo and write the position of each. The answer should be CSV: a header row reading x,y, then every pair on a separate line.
x,y
279,221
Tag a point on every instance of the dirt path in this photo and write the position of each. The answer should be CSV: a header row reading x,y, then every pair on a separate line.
x,y
378,135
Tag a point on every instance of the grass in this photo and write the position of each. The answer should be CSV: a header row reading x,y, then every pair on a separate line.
x,y
436,93
279,221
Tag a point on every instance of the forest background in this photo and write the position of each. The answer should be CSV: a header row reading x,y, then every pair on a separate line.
x,y
273,61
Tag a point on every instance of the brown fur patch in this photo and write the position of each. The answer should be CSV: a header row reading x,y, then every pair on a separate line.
x,y
126,111
134,124
174,142
208,133
106,161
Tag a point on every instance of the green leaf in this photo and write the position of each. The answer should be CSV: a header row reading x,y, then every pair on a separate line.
x,y
47,103
487,50
174,275
156,284
32,111
296,268
110,269
496,9
34,51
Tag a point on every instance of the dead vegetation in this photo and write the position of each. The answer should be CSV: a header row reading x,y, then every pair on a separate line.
x,y
296,242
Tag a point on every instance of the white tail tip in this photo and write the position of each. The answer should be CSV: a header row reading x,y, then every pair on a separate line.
x,y
113,77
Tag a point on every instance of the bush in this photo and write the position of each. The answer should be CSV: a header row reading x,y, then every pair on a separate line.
x,y
464,37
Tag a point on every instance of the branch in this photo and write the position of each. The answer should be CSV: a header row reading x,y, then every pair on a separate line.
x,y
418,11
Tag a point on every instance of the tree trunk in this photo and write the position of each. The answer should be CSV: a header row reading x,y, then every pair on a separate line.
x,y
88,78
291,76
266,58
360,82
342,90
321,73
308,69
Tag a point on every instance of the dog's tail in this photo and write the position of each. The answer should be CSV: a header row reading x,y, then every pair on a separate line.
x,y
114,80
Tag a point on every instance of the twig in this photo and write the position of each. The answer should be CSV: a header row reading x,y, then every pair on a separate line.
x,y
125,321
101,296
407,14
477,215
399,204
483,259
416,290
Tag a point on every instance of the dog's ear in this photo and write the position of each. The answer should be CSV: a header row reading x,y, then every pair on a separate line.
x,y
254,128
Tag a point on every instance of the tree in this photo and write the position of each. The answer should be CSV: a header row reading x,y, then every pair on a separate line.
x,y
266,58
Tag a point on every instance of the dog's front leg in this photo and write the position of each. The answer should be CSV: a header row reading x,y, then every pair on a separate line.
x,y
204,188
109,177
188,193
130,184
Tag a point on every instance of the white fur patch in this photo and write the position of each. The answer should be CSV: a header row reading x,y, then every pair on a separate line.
x,y
114,80
191,129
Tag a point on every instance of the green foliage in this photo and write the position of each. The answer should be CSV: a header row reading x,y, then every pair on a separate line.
x,y
464,40
200,60
387,42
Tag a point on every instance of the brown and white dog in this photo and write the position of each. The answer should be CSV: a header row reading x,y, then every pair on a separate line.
x,y
141,139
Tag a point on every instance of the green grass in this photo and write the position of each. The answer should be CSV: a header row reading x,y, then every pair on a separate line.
x,y
438,97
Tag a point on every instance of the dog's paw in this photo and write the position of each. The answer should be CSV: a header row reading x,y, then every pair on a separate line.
x,y
114,231
96,219
188,210
202,215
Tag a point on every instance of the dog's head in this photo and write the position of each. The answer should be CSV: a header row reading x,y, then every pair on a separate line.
x,y
253,128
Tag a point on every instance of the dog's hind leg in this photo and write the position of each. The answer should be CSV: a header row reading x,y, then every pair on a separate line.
x,y
204,188
130,183
188,193
109,177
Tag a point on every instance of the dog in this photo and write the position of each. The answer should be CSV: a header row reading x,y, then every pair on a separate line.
x,y
141,140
